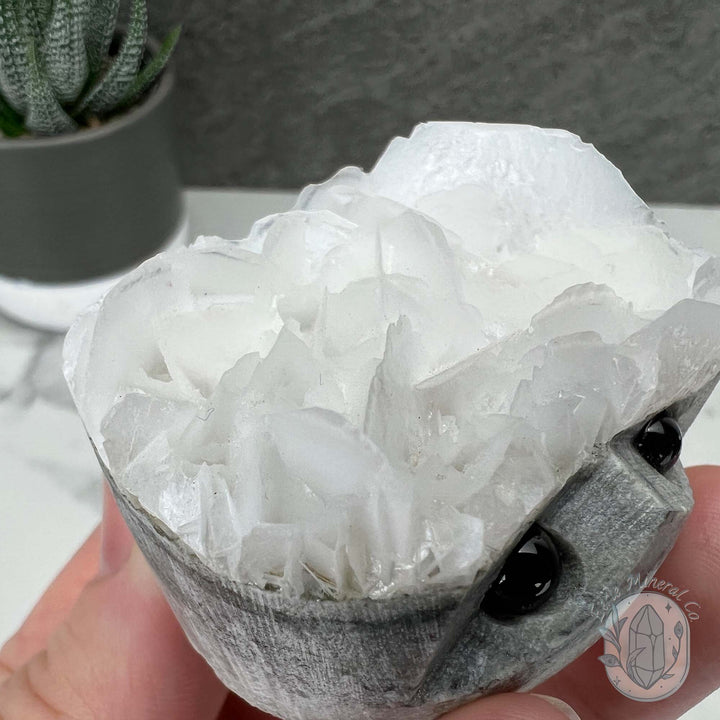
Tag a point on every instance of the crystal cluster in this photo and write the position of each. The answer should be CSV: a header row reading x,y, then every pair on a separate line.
x,y
373,392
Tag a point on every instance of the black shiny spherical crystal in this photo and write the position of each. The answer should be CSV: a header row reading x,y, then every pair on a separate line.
x,y
528,577
660,442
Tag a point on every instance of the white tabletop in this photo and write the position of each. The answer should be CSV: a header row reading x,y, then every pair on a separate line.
x,y
49,480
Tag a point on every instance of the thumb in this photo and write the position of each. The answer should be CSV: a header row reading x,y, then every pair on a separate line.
x,y
120,653
514,706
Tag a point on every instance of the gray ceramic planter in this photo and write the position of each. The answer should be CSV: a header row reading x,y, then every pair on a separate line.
x,y
92,203
415,657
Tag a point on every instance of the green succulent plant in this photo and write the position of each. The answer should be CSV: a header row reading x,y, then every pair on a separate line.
x,y
64,64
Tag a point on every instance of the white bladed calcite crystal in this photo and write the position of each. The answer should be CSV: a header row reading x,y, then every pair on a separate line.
x,y
374,391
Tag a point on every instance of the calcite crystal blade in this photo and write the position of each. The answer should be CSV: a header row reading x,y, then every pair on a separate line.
x,y
339,440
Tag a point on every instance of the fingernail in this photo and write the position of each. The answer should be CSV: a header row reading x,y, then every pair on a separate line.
x,y
117,541
558,704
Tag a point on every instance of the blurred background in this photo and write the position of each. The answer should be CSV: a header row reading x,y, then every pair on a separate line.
x,y
282,93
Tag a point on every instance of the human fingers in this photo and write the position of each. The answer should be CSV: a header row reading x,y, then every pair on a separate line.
x,y
693,564
497,707
120,653
52,608
111,543
514,706
117,540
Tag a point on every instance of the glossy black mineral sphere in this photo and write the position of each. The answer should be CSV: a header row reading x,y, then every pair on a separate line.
x,y
660,442
528,577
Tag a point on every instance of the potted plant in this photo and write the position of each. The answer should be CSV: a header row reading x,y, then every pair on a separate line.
x,y
88,185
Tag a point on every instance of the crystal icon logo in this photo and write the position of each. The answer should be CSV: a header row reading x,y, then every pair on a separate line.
x,y
647,646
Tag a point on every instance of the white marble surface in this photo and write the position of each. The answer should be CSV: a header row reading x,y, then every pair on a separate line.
x,y
50,486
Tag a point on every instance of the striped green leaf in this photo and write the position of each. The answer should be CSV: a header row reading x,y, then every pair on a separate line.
x,y
13,56
55,55
111,88
147,76
44,115
37,14
43,10
99,30
63,51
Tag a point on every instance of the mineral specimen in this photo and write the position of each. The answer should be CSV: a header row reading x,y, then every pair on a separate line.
x,y
371,399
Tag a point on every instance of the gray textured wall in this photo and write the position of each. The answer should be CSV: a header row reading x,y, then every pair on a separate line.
x,y
280,93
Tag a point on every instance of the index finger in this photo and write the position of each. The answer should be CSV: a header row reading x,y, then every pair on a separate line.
x,y
52,608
